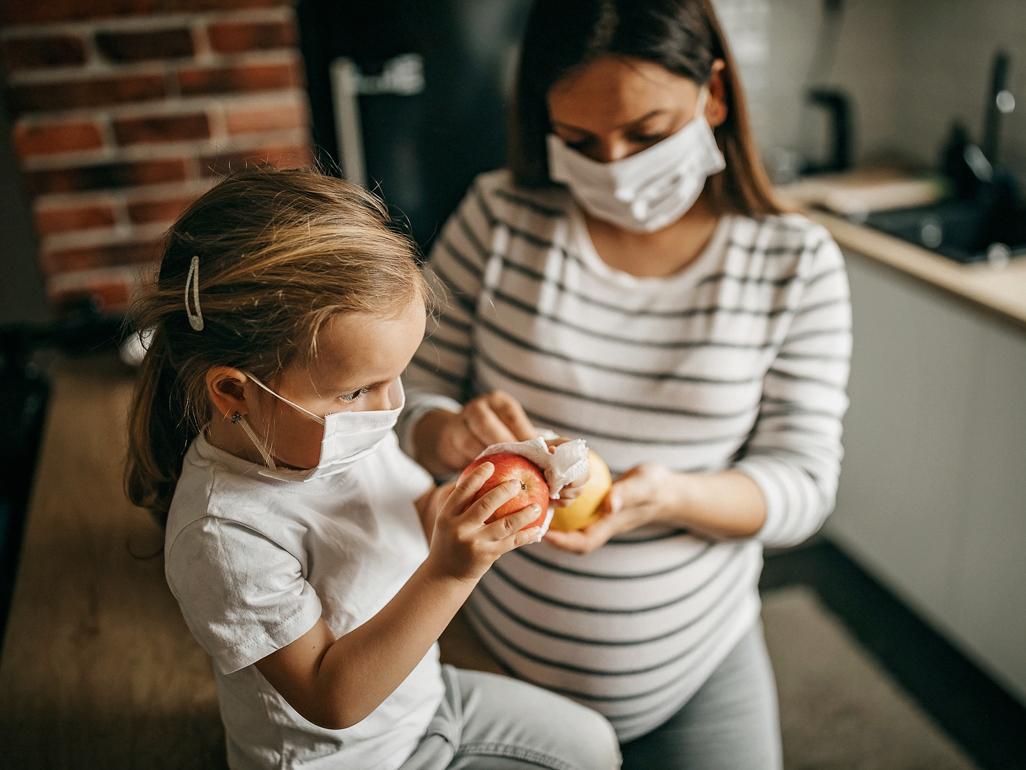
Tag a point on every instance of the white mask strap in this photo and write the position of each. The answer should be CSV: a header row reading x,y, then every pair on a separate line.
x,y
257,443
307,412
703,95
192,279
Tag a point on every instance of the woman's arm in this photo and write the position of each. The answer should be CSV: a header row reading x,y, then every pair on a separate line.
x,y
728,504
336,683
445,442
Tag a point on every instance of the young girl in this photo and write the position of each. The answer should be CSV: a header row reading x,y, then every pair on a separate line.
x,y
261,433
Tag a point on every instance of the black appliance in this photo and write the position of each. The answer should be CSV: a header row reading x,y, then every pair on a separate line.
x,y
417,93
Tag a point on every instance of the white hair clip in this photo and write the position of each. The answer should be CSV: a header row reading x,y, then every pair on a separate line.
x,y
195,319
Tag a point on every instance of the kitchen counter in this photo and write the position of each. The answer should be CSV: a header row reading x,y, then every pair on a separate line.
x,y
997,290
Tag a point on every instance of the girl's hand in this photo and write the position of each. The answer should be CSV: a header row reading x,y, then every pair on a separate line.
x,y
641,496
448,441
463,546
429,503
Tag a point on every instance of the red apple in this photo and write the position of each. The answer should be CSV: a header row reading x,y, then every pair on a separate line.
x,y
533,487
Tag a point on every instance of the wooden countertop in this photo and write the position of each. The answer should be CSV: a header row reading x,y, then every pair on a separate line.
x,y
998,291
98,668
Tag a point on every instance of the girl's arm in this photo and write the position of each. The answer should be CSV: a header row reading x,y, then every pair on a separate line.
x,y
336,683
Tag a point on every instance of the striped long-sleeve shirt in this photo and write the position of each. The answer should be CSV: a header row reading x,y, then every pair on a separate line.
x,y
739,361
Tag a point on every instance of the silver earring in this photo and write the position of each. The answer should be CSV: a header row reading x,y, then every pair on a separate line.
x,y
236,418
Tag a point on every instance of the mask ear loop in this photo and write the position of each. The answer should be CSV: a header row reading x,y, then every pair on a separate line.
x,y
256,441
703,95
192,279
297,407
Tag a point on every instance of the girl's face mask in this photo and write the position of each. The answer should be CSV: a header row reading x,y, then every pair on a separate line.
x,y
348,436
646,191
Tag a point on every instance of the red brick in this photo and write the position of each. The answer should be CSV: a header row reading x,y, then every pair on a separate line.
x,y
53,138
64,220
243,78
107,255
162,128
109,297
45,11
279,157
93,92
223,5
236,37
145,212
145,46
40,52
278,117
104,176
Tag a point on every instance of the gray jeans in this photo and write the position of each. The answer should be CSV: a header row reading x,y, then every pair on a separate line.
x,y
491,722
731,723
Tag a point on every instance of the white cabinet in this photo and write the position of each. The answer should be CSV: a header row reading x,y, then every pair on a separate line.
x,y
932,497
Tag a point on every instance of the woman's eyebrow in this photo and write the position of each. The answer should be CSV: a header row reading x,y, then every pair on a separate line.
x,y
628,124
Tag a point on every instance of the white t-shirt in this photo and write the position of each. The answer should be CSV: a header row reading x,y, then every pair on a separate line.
x,y
254,563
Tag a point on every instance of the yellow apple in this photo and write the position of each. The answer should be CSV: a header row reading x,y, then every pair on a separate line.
x,y
584,510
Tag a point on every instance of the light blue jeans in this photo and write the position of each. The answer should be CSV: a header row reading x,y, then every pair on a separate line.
x,y
490,722
731,723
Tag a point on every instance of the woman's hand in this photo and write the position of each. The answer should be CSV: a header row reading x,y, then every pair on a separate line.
x,y
727,504
641,496
446,442
463,545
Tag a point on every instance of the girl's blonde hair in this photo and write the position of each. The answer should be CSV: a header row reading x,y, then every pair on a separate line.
x,y
280,253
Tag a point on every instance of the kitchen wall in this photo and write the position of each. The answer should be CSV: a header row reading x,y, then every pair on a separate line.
x,y
910,66
123,111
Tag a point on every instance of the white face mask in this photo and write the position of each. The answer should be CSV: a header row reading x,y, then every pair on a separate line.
x,y
646,191
348,436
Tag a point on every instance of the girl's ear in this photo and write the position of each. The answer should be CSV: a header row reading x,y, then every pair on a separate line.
x,y
224,386
716,104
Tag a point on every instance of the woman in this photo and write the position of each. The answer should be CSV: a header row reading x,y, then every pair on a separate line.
x,y
630,280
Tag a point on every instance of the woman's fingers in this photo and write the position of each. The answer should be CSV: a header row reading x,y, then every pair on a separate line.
x,y
512,415
583,540
484,424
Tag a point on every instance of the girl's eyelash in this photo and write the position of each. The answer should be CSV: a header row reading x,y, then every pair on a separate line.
x,y
349,398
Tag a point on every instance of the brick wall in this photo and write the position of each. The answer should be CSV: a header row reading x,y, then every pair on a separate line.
x,y
125,110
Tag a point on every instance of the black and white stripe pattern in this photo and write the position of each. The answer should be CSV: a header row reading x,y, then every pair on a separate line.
x,y
739,361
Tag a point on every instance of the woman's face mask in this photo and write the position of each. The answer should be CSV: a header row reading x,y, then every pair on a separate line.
x,y
348,436
646,191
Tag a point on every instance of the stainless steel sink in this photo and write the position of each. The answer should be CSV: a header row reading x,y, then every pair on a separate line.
x,y
966,231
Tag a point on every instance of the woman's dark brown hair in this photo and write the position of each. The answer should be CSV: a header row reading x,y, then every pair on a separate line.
x,y
280,253
683,36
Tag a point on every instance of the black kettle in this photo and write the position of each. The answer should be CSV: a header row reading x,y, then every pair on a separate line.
x,y
838,108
